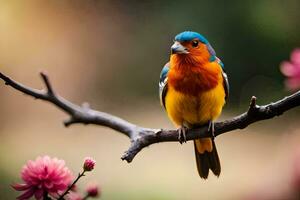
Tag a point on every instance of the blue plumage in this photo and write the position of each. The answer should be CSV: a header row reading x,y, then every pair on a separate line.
x,y
190,35
164,73
163,86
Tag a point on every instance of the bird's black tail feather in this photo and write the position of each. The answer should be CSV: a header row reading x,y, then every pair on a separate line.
x,y
206,161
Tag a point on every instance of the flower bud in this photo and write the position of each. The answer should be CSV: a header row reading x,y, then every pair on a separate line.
x,y
93,190
89,164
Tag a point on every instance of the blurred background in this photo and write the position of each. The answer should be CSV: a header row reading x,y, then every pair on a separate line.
x,y
110,53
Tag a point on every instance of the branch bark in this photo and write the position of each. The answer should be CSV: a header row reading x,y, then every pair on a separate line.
x,y
141,137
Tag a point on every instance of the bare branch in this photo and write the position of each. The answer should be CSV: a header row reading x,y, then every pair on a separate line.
x,y
47,83
252,105
141,137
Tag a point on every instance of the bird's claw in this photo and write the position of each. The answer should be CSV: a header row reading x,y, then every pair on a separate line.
x,y
211,128
182,134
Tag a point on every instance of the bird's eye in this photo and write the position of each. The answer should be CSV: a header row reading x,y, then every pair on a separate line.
x,y
195,43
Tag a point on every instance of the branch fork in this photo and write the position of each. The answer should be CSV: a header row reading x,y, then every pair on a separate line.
x,y
142,137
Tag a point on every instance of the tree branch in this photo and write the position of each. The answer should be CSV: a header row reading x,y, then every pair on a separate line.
x,y
142,137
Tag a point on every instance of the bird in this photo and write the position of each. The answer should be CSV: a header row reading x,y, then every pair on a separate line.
x,y
193,88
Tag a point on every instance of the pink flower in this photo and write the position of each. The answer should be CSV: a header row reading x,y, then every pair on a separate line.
x,y
89,164
93,190
74,196
291,69
44,175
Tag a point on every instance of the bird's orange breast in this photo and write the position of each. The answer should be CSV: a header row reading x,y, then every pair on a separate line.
x,y
195,94
193,79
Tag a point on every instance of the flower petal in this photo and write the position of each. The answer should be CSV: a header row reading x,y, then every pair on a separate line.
x,y
287,68
39,194
295,56
26,195
20,186
293,84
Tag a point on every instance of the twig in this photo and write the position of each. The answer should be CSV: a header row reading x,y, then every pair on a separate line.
x,y
61,197
142,137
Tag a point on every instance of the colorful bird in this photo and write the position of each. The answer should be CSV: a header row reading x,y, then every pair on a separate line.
x,y
193,88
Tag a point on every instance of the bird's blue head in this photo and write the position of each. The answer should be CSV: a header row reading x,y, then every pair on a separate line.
x,y
189,36
192,44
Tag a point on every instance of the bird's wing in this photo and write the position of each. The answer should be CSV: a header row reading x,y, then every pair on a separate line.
x,y
225,78
163,83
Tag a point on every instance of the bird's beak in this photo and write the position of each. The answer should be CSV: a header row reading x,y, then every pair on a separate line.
x,y
177,48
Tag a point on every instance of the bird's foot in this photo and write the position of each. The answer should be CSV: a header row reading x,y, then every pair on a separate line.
x,y
182,134
211,128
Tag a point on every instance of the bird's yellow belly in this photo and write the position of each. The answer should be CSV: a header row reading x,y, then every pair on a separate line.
x,y
189,110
